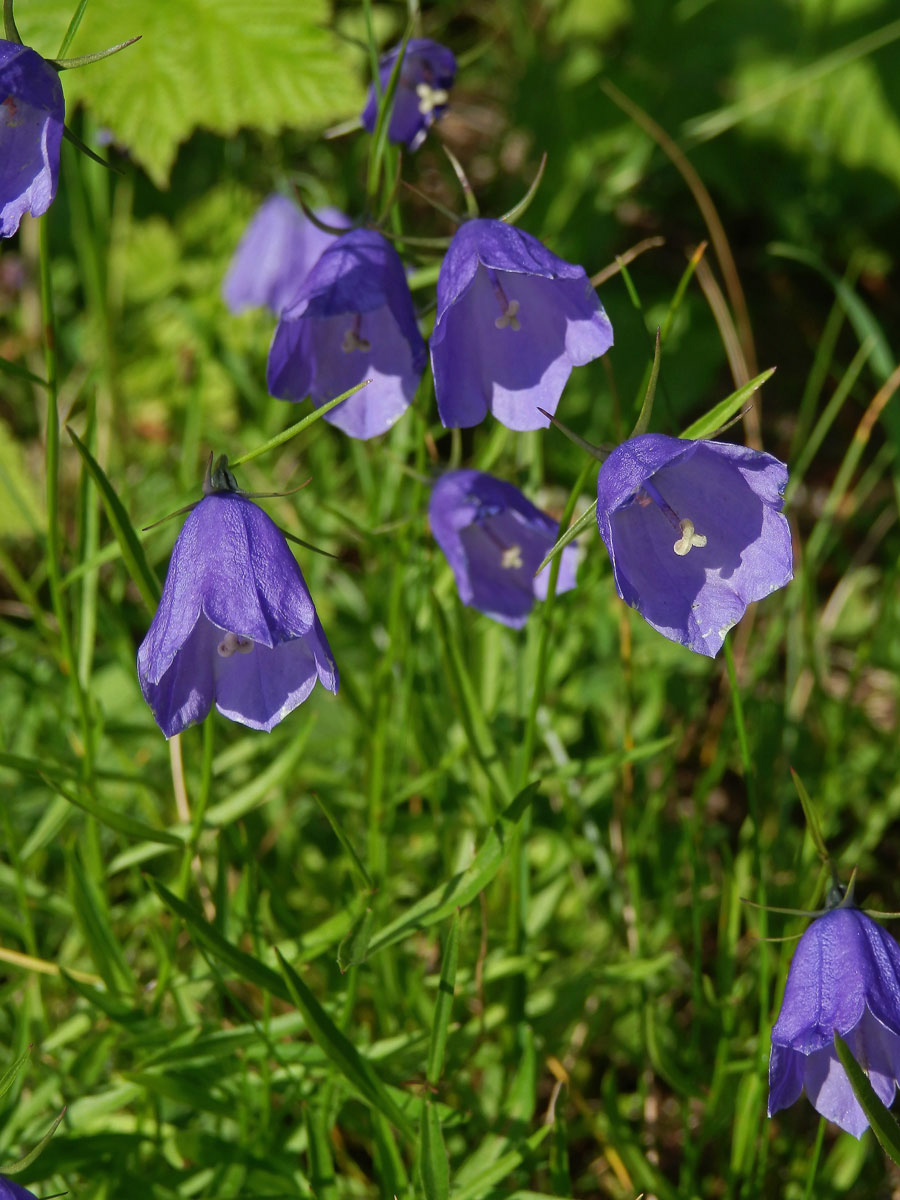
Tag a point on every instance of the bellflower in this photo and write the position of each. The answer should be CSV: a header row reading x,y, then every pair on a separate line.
x,y
694,531
236,624
426,76
494,540
351,320
844,978
13,1191
32,111
277,252
512,322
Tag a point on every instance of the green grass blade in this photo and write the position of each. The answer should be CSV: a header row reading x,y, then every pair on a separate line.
x,y
587,519
707,425
23,1163
498,1171
444,1003
464,886
133,554
883,1124
434,1163
121,823
9,1075
93,917
341,1052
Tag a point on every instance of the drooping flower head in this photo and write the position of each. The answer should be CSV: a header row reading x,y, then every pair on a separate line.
x,y
352,319
494,540
32,111
14,1191
236,624
275,255
513,319
423,89
694,531
844,978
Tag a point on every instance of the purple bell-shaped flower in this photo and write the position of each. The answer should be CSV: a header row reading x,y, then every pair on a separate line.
x,y
694,532
494,540
32,111
423,89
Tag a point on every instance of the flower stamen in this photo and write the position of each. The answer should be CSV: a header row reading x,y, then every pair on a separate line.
x,y
685,526
688,538
511,558
509,318
430,98
353,339
233,643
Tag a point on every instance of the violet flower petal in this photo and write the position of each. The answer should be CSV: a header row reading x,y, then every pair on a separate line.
x,y
494,540
733,497
232,576
353,319
512,321
278,250
32,111
426,75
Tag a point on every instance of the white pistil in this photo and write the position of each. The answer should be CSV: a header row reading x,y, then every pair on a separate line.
x,y
511,558
688,538
233,643
430,98
508,317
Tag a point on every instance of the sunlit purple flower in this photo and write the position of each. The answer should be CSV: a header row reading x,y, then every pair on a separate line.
x,y
32,111
844,978
14,1191
236,624
426,76
277,252
352,319
694,532
512,322
494,540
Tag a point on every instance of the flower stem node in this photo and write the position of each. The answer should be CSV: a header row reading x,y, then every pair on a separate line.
x,y
477,367
494,540
320,350
236,625
643,488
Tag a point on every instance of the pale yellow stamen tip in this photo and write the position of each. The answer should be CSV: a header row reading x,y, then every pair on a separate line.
x,y
511,559
352,341
232,643
688,538
430,98
509,317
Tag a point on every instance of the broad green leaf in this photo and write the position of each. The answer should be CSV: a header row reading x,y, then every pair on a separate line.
x,y
466,885
132,551
213,64
722,412
883,1124
358,1071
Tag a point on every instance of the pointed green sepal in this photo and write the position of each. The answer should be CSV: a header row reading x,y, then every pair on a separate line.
x,y
595,451
517,210
83,60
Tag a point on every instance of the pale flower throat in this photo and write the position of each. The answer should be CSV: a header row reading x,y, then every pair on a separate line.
x,y
689,538
508,308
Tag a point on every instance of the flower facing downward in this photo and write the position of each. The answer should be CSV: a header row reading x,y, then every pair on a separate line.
x,y
279,249
494,540
352,319
423,89
32,111
844,978
512,322
694,532
236,624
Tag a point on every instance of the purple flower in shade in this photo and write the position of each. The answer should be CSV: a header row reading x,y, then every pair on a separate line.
x,y
32,111
694,532
236,624
275,255
14,1191
844,978
512,322
426,76
351,320
494,540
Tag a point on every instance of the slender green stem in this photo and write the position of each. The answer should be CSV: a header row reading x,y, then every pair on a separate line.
x,y
293,430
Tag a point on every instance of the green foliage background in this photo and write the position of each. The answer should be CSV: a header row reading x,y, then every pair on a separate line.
x,y
608,1035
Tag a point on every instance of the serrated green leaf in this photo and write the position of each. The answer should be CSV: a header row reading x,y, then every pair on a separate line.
x,y
214,64
358,1072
